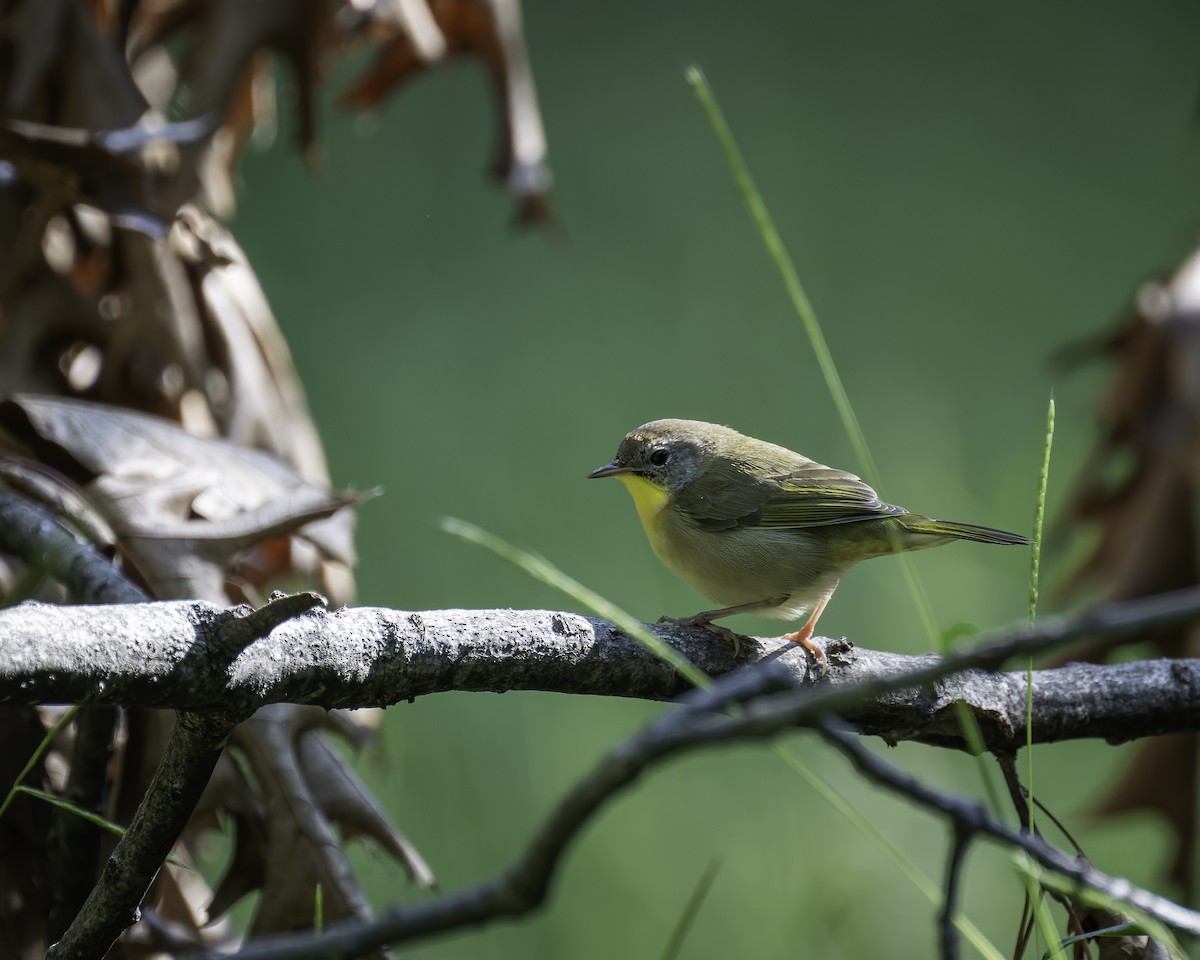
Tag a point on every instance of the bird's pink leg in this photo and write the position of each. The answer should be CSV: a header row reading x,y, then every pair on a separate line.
x,y
803,636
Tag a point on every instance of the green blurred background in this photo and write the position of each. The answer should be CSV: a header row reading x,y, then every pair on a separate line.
x,y
964,187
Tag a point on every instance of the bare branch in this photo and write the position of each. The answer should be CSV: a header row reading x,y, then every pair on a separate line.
x,y
524,885
974,818
200,658
182,774
32,533
149,655
948,930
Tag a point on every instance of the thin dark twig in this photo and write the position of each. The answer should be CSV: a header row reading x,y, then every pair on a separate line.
x,y
33,533
181,776
73,844
524,885
1020,799
1007,761
1024,927
976,817
963,835
1061,826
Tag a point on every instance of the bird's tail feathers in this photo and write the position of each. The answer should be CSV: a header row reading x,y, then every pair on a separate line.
x,y
960,531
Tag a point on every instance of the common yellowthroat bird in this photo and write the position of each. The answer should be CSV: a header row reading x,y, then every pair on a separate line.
x,y
760,528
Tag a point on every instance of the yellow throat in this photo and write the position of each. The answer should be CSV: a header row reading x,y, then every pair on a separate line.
x,y
650,500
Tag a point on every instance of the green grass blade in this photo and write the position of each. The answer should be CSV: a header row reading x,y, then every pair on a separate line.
x,y
691,909
1035,563
1039,514
93,818
808,318
787,270
1126,929
841,399
1045,922
34,757
542,569
51,799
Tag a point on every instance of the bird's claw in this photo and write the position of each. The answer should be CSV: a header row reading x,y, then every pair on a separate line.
x,y
803,638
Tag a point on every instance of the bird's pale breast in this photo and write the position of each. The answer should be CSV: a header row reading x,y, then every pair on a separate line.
x,y
738,566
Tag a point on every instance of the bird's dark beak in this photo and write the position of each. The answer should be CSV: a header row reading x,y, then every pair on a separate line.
x,y
608,470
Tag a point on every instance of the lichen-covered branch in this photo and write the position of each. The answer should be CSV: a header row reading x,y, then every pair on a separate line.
x,y
157,655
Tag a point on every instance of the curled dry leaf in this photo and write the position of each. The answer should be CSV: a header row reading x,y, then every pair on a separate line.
x,y
1139,490
50,489
120,294
307,794
183,507
1132,946
262,403
487,29
66,69
224,70
119,173
344,801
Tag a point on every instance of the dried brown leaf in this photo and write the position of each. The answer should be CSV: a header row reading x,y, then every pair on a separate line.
x,y
96,91
1139,491
115,290
296,846
183,507
50,489
345,801
1126,947
491,31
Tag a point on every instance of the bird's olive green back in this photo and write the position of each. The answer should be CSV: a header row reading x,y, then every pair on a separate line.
x,y
773,491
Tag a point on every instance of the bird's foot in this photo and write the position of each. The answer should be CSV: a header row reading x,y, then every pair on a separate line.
x,y
803,637
699,620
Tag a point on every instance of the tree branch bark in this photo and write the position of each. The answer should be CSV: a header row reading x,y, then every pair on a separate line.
x,y
178,782
159,655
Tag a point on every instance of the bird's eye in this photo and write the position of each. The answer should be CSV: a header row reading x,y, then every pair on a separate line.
x,y
659,457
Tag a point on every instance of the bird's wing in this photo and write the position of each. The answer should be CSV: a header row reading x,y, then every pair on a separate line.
x,y
807,495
